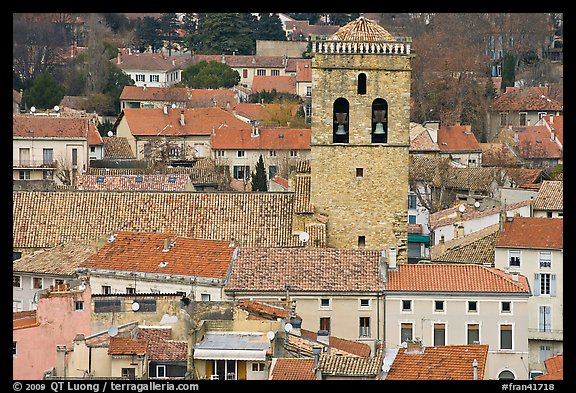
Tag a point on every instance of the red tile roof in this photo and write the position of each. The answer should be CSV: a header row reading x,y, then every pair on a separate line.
x,y
197,121
457,138
44,126
127,346
263,310
556,124
304,71
439,363
535,142
554,368
24,319
532,232
341,344
168,182
267,139
454,278
293,369
146,61
144,252
362,29
526,98
160,347
281,83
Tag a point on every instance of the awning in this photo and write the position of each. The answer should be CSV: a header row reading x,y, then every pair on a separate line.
x,y
229,354
418,239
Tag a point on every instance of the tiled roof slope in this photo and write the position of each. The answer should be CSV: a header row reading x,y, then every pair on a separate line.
x,y
197,121
554,368
127,346
439,363
133,182
420,139
267,139
280,83
535,142
160,347
498,154
456,138
454,278
348,346
555,124
144,252
451,215
43,126
477,247
362,29
526,98
24,319
45,219
293,369
145,61
62,259
351,366
550,196
117,147
532,232
305,269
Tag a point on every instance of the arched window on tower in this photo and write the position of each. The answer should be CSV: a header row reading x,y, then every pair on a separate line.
x,y
379,121
341,121
362,83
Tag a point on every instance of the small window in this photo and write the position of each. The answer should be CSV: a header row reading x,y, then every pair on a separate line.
x,y
100,179
505,336
361,241
257,366
14,348
412,201
273,153
275,72
161,371
473,332
439,305
293,153
58,281
364,303
364,327
514,258
106,290
79,305
130,290
359,173
17,281
405,332
472,306
545,258
240,153
205,297
172,179
406,305
36,283
324,302
362,83
139,179
506,307
220,153
24,175
261,72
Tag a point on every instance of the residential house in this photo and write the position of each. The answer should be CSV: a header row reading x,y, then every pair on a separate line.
x,y
463,219
132,262
150,69
533,247
145,182
46,219
536,146
555,125
337,367
336,291
438,362
424,138
278,83
34,273
521,106
459,142
184,132
240,149
51,147
460,304
302,30
180,97
550,200
62,313
167,358
476,247
95,147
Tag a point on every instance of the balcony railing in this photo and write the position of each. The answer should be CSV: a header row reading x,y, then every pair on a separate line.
x,y
34,164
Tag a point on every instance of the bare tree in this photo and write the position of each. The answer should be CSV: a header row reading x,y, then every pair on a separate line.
x,y
429,180
97,61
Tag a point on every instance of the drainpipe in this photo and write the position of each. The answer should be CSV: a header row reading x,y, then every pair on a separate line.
x,y
475,366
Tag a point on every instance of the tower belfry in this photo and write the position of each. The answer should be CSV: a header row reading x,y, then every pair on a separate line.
x,y
360,136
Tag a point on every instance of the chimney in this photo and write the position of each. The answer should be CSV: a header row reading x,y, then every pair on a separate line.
x,y
383,267
323,336
392,258
119,58
165,109
182,123
61,360
414,346
144,86
552,135
475,366
442,245
432,128
166,245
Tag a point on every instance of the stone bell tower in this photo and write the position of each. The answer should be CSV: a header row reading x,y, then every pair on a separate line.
x,y
360,136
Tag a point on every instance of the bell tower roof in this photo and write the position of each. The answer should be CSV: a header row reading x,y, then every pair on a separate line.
x,y
362,29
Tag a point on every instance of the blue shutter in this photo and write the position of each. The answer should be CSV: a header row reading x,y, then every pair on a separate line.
x,y
552,285
536,284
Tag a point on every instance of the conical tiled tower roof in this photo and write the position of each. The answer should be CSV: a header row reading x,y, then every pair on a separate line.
x,y
362,29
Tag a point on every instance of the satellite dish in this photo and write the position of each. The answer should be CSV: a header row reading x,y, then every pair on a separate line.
x,y
110,133
113,330
33,109
56,108
135,306
304,237
270,335
476,204
82,286
404,344
288,327
461,208
173,106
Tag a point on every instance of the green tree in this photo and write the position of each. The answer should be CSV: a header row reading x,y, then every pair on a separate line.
x,y
225,33
168,26
148,34
209,75
269,27
44,93
259,182
508,71
117,79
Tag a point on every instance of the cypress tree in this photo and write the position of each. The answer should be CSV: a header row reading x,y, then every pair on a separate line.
x,y
259,182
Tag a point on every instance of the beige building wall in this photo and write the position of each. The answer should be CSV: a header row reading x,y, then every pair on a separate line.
x,y
529,266
375,204
456,318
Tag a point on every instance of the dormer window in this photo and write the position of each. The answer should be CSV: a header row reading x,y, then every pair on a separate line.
x,y
379,121
341,121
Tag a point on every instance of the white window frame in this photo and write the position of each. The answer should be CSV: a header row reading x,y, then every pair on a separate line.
x,y
220,153
163,368
140,78
477,311
79,303
500,336
400,323
240,153
511,254
442,311
32,283
445,331
501,312
542,260
406,311
19,281
479,331
154,78
367,307
328,307
364,332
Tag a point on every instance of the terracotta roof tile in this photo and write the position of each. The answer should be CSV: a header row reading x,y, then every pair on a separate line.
x,y
451,215
260,308
362,29
535,142
352,366
526,98
555,124
160,346
554,368
498,154
550,196
477,247
24,319
44,126
307,269
439,363
420,139
144,252
117,147
454,278
134,182
280,83
457,138
145,61
532,232
45,219
127,346
349,347
293,369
